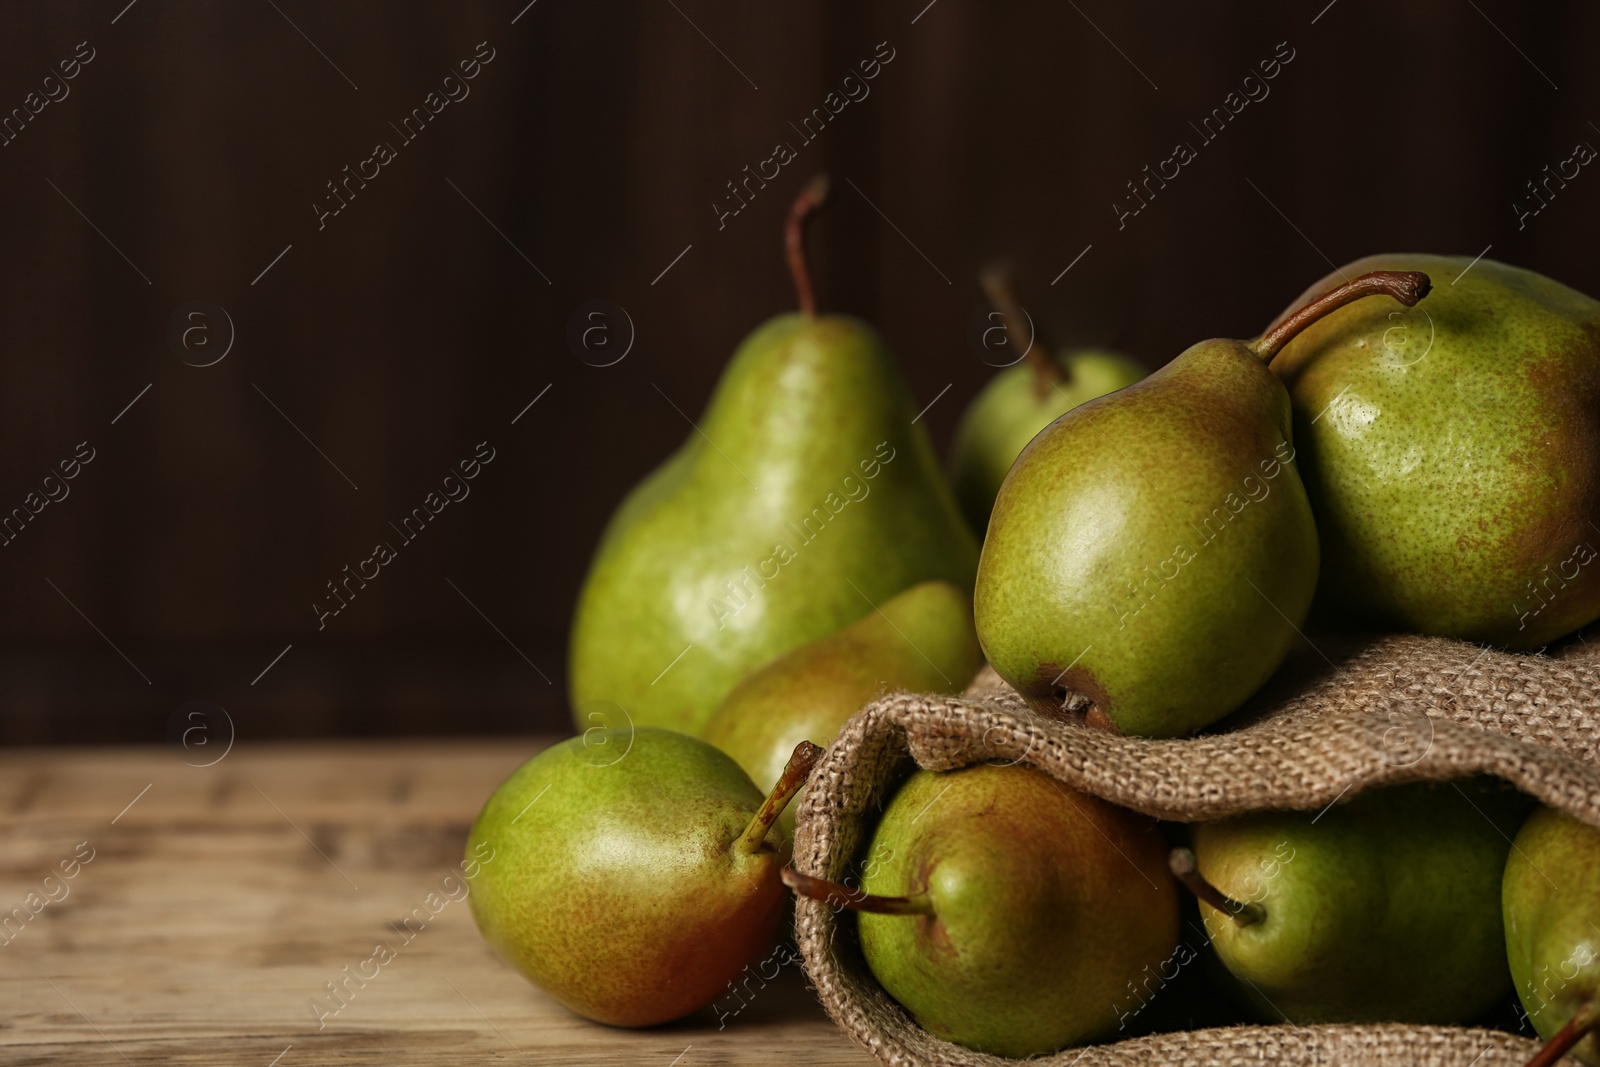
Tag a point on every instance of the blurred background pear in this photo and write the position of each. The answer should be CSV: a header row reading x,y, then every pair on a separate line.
x,y
1022,399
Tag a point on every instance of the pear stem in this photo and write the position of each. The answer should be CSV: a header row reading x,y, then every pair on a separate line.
x,y
1584,1020
811,197
1187,870
998,289
1406,286
790,782
837,895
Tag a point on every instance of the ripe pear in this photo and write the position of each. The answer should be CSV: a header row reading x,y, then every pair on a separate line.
x,y
920,641
1551,897
805,494
1023,399
1006,912
634,874
1152,554
1382,909
1452,454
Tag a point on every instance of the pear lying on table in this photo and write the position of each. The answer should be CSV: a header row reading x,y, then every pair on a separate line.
x,y
635,873
805,494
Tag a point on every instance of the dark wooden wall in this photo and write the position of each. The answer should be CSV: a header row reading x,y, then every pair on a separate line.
x,y
424,316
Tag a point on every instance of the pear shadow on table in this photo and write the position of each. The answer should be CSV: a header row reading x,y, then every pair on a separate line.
x,y
781,1001
757,1002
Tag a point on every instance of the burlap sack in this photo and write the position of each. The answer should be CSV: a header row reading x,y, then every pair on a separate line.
x,y
1334,724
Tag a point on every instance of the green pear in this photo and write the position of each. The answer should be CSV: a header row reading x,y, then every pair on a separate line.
x,y
805,494
1551,897
1451,453
1152,554
1382,909
1022,400
920,641
634,874
1006,912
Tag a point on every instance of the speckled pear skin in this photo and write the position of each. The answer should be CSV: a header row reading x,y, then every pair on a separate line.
x,y
842,488
1551,897
613,883
919,641
1382,909
1048,907
1008,412
1153,550
1455,486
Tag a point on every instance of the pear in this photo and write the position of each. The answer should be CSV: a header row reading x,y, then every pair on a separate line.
x,y
920,641
1022,400
1006,912
1151,554
1551,897
805,495
632,875
1382,909
1452,454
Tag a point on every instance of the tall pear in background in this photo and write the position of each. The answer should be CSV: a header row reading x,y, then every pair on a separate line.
x,y
804,496
1453,454
1152,552
1023,399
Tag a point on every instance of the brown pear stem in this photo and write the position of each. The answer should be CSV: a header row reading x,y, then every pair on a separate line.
x,y
811,197
790,782
1187,870
1406,286
998,289
1583,1021
836,895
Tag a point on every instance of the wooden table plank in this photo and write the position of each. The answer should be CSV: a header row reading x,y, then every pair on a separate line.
x,y
217,906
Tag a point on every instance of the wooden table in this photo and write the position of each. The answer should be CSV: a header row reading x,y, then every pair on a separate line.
x,y
219,900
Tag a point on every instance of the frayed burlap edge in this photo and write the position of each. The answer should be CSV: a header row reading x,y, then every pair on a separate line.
x,y
1379,712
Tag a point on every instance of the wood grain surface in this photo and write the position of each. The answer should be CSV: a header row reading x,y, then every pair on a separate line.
x,y
220,900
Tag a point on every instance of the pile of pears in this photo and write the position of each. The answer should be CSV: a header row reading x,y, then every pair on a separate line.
x,y
1413,444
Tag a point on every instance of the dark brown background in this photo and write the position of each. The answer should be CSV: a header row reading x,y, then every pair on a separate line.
x,y
596,141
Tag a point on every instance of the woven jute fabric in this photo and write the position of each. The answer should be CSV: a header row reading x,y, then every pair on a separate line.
x,y
1342,719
